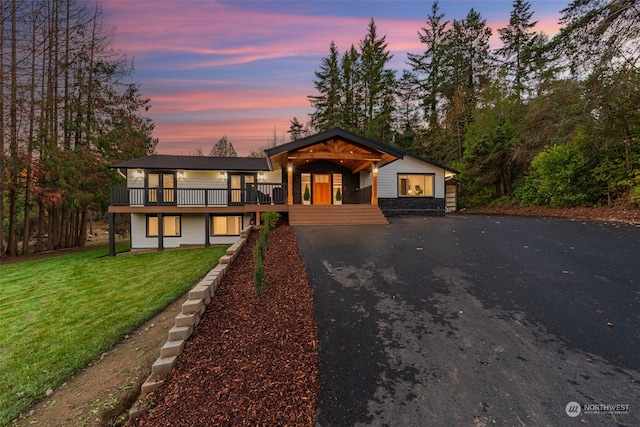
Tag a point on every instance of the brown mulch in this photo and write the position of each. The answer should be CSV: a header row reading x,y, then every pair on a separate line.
x,y
251,361
608,214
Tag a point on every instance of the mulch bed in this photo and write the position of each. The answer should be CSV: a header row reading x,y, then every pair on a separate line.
x,y
608,214
251,361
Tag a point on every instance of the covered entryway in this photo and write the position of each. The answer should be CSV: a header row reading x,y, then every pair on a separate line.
x,y
329,161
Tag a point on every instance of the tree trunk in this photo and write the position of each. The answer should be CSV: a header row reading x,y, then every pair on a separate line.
x,y
2,155
12,242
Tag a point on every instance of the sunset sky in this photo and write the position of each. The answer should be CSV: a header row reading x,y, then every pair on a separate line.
x,y
244,68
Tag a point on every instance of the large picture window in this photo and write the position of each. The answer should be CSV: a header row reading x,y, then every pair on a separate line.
x,y
226,225
416,185
171,225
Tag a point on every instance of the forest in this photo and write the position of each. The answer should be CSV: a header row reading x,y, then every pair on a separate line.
x,y
68,111
537,121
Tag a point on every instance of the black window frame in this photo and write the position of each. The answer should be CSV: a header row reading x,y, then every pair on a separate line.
x,y
146,222
433,184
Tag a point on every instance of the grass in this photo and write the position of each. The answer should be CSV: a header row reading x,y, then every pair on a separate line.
x,y
59,314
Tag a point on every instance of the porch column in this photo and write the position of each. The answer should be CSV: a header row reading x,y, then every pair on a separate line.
x,y
207,230
160,232
374,185
289,185
112,234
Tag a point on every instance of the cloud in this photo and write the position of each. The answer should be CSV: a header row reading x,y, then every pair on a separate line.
x,y
240,68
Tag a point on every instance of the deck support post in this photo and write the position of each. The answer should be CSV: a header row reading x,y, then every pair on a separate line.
x,y
160,232
207,231
374,184
289,185
112,234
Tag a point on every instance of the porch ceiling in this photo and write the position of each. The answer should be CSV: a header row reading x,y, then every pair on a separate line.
x,y
337,150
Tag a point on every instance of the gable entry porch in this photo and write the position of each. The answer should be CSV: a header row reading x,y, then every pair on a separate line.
x,y
332,177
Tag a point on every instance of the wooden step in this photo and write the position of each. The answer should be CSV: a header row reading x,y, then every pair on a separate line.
x,y
335,215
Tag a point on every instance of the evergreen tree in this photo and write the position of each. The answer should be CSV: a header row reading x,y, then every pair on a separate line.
x,y
408,117
223,148
296,130
378,85
350,89
518,43
327,104
430,65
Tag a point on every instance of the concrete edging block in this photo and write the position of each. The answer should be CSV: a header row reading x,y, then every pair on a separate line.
x,y
193,306
185,323
190,319
163,365
180,333
172,348
202,292
151,384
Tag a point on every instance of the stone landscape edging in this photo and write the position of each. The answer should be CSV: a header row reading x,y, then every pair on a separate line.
x,y
192,309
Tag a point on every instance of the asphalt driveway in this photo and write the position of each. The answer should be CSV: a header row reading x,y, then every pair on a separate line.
x,y
476,320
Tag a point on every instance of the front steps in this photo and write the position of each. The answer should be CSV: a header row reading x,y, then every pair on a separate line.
x,y
335,215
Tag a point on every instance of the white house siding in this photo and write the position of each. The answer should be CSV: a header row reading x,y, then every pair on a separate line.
x,y
270,177
388,176
192,230
202,179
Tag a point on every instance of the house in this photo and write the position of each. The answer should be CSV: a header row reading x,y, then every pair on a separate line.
x,y
333,177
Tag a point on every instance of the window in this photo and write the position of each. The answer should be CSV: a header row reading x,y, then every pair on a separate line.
x,y
416,185
161,185
171,225
226,225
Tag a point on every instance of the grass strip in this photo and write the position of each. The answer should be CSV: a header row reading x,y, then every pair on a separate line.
x,y
59,314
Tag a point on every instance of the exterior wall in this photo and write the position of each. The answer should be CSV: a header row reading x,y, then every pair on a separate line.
x,y
272,177
192,230
388,199
202,179
388,176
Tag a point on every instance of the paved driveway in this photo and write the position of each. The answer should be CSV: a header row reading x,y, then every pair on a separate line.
x,y
476,320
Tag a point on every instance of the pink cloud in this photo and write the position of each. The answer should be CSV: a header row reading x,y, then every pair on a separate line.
x,y
209,70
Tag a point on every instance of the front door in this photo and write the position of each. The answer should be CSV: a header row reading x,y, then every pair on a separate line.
x,y
321,189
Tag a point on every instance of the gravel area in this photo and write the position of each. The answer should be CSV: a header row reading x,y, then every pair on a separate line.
x,y
251,361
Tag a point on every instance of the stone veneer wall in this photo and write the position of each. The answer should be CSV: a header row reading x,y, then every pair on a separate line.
x,y
412,206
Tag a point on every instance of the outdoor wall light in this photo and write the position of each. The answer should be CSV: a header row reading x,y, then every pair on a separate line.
x,y
180,174
137,174
223,175
290,168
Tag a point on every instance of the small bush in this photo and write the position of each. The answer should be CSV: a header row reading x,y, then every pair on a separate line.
x,y
270,219
259,276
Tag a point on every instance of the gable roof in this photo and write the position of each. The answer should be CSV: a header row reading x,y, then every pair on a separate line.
x,y
169,162
279,155
335,145
335,133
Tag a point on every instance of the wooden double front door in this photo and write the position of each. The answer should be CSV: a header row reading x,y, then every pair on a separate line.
x,y
322,189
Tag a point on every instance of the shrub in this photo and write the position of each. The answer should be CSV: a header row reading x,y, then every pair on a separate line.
x,y
270,219
259,276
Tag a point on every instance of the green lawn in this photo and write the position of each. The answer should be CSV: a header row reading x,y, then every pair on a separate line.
x,y
59,314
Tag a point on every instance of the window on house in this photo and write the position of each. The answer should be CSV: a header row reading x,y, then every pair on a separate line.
x,y
163,183
171,225
416,185
226,225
